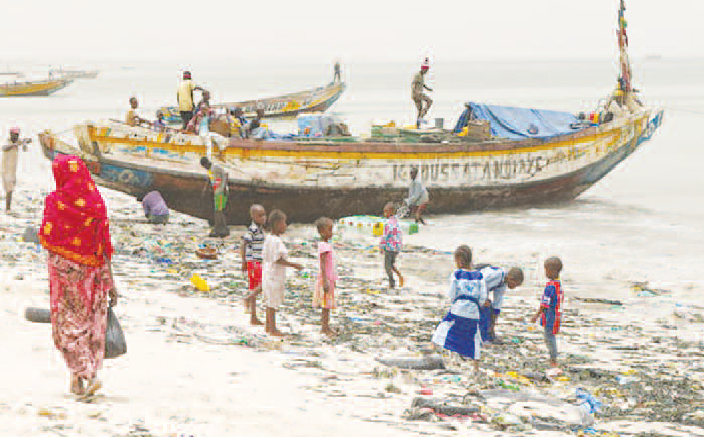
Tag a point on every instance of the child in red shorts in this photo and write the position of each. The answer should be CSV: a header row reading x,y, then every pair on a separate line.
x,y
251,253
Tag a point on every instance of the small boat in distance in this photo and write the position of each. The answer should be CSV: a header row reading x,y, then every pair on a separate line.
x,y
33,88
74,74
288,105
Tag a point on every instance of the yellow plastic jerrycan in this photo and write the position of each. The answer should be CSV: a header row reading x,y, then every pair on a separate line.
x,y
378,229
200,283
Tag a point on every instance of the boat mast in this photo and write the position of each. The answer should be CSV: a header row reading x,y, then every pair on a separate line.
x,y
625,79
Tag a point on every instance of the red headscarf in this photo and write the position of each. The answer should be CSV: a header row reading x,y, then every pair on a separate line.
x,y
75,222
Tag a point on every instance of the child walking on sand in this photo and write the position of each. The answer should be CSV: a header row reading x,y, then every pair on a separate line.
x,y
274,269
550,310
324,296
251,253
391,244
459,330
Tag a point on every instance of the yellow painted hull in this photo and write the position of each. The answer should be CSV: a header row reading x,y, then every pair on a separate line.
x,y
32,88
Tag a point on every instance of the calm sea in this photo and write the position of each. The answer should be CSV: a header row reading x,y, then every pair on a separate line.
x,y
643,222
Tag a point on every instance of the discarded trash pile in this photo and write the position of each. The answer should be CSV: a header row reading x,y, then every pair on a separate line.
x,y
617,377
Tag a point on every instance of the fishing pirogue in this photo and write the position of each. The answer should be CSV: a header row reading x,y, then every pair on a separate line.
x,y
288,105
495,157
35,88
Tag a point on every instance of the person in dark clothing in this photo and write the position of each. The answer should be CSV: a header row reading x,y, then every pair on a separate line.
x,y
337,77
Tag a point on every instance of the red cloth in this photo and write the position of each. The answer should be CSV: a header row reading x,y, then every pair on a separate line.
x,y
75,223
254,272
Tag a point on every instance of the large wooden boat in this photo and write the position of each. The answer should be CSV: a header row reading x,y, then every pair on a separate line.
x,y
311,179
288,105
531,158
37,88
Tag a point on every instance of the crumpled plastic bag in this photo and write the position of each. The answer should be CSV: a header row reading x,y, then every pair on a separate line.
x,y
115,344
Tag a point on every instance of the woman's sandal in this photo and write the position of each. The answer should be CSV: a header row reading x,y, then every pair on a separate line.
x,y
77,386
93,386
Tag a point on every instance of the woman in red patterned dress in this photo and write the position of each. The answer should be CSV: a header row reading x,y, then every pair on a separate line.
x,y
75,231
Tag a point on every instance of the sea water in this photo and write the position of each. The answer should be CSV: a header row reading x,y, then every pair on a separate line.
x,y
642,222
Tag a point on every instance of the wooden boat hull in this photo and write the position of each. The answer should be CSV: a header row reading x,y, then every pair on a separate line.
x,y
459,177
288,105
41,88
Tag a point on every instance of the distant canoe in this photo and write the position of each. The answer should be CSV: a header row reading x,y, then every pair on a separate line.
x,y
38,88
76,74
289,105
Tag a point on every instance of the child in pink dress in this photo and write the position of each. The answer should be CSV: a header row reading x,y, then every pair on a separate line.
x,y
325,285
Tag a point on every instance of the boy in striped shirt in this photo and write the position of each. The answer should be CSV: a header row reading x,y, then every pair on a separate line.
x,y
550,311
251,253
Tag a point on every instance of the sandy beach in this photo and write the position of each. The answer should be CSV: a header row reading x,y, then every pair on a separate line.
x,y
569,163
195,367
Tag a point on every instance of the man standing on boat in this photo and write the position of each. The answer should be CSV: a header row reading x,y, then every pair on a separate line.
x,y
184,97
218,180
338,76
10,153
417,88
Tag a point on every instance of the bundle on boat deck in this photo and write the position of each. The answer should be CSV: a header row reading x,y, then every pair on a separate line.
x,y
519,123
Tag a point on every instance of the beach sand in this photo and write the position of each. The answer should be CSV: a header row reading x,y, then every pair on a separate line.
x,y
195,367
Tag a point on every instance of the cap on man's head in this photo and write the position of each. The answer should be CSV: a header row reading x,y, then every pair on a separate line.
x,y
15,130
186,74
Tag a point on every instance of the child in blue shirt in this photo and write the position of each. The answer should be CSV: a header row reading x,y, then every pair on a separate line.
x,y
497,281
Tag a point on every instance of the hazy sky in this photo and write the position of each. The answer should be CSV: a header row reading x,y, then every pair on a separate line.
x,y
310,30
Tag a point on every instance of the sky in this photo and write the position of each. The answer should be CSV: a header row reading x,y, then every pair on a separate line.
x,y
312,30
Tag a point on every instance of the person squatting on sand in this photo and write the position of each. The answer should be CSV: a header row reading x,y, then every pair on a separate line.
x,y
459,329
76,232
550,311
324,296
251,254
155,209
391,244
274,269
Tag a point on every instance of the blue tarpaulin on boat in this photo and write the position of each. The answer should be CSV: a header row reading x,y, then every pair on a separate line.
x,y
509,122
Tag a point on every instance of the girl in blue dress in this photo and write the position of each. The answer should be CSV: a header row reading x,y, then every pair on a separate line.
x,y
459,330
